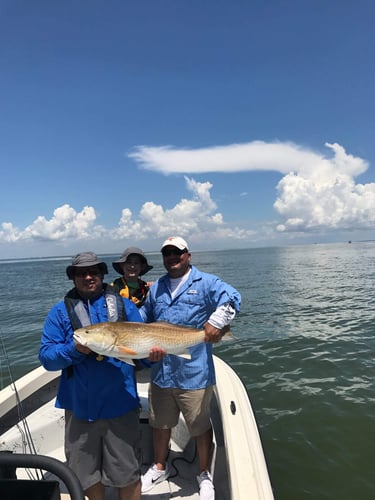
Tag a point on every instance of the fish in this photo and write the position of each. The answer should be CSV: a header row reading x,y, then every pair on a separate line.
x,y
130,340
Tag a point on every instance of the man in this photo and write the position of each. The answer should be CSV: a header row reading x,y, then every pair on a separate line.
x,y
98,393
185,296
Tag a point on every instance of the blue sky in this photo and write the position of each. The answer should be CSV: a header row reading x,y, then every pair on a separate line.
x,y
232,123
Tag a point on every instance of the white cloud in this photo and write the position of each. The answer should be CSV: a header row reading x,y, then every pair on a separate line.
x,y
327,197
317,192
307,206
9,233
257,155
66,223
195,216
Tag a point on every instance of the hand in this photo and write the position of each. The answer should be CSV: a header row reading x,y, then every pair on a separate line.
x,y
156,354
212,334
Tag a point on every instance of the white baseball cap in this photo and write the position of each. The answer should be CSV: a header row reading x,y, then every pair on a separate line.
x,y
176,241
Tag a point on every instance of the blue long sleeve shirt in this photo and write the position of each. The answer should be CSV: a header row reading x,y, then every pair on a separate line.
x,y
195,301
91,389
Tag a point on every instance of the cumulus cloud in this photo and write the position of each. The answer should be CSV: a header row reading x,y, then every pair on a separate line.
x,y
66,223
317,192
327,197
196,216
9,233
308,206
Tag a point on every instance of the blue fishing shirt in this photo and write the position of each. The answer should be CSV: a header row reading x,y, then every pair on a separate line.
x,y
91,389
194,302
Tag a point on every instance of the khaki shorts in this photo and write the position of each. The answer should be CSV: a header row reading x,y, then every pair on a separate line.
x,y
165,406
106,451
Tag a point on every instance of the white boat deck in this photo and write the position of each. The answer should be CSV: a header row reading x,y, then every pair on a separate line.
x,y
238,467
47,427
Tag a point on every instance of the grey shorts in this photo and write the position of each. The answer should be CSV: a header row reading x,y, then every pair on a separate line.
x,y
106,451
165,406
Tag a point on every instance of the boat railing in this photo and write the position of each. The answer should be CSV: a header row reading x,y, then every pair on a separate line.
x,y
59,469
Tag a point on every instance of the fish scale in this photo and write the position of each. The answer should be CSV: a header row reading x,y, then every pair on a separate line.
x,y
129,340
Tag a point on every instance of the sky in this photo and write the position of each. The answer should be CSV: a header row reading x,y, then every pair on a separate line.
x,y
232,123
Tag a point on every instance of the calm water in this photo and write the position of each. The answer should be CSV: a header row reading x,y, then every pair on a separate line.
x,y
305,351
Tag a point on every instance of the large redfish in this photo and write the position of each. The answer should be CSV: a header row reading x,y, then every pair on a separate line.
x,y
128,340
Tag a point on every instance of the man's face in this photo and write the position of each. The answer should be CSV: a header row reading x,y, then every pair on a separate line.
x,y
176,261
88,281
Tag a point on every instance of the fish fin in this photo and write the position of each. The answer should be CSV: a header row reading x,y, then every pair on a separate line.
x,y
128,361
126,350
226,330
185,355
173,326
227,335
226,339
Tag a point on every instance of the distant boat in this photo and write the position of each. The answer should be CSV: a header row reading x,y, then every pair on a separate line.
x,y
31,428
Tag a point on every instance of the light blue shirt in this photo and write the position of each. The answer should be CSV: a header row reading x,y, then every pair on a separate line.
x,y
194,302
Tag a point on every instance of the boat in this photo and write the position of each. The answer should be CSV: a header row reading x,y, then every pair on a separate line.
x,y
32,442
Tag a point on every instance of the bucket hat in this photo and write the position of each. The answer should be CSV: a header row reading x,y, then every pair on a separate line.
x,y
117,264
85,259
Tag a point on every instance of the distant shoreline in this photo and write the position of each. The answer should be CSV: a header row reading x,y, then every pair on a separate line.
x,y
108,255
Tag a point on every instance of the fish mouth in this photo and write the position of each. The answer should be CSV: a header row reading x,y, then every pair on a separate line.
x,y
78,338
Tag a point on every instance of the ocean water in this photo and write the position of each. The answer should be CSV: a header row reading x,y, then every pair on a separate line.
x,y
305,349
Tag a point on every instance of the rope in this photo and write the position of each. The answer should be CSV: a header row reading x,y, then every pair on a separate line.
x,y
22,425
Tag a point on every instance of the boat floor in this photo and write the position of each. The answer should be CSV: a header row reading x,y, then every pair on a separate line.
x,y
47,425
238,467
182,484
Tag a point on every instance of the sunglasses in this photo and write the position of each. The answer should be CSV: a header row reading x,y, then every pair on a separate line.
x,y
82,273
173,251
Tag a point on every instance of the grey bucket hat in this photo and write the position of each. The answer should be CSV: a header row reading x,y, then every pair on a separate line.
x,y
86,259
125,254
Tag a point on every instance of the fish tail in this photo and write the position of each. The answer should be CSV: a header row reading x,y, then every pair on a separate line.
x,y
227,334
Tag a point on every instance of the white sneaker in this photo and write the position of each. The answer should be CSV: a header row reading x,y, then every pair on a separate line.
x,y
153,477
206,486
